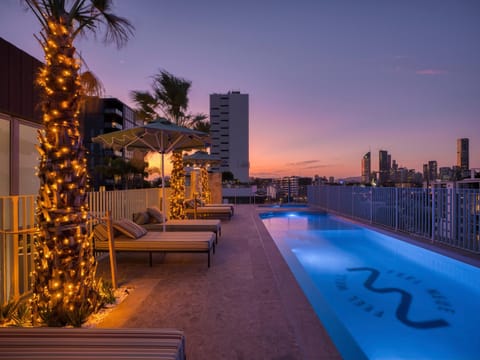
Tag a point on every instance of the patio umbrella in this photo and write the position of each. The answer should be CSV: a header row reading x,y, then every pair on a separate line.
x,y
160,136
202,159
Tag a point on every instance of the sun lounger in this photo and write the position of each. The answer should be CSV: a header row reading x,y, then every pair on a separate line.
x,y
230,206
194,209
213,225
91,343
154,241
209,213
190,204
152,219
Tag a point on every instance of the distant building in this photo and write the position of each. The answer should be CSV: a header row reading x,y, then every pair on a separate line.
x,y
101,116
463,157
366,168
445,173
290,187
20,119
229,127
384,161
432,170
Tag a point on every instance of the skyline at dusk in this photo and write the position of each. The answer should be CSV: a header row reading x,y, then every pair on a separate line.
x,y
327,81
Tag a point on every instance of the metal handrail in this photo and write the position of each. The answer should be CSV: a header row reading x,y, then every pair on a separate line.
x,y
446,216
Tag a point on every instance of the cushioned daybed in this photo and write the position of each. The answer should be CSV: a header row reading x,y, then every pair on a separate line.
x,y
91,343
130,237
224,210
230,206
152,220
211,212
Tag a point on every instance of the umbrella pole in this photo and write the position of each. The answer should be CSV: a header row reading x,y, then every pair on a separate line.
x,y
164,201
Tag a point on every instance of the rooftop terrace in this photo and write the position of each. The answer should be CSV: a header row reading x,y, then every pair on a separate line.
x,y
247,305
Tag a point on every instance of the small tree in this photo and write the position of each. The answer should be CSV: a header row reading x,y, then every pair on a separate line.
x,y
170,98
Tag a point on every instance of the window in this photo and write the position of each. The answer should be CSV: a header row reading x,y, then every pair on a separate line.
x,y
4,157
28,160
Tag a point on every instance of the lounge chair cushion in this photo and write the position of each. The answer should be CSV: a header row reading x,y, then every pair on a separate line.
x,y
156,214
189,203
141,218
100,232
129,228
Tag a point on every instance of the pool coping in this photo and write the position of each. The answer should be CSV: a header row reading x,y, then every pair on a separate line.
x,y
311,334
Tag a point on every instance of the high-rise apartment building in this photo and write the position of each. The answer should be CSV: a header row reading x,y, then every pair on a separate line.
x,y
290,186
384,161
229,132
366,168
432,170
100,116
463,157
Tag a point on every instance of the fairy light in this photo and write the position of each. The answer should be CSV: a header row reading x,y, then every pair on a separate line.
x,y
62,210
177,185
206,194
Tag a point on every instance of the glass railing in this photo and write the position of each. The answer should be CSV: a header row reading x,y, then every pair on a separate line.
x,y
447,216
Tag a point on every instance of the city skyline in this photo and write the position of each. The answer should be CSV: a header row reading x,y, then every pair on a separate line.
x,y
328,81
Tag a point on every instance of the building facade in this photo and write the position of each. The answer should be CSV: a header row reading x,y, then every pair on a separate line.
x,y
432,170
366,168
383,167
463,161
229,130
101,116
20,120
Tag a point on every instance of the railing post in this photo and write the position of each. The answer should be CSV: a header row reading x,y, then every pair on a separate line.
x,y
16,265
371,204
433,215
111,248
396,209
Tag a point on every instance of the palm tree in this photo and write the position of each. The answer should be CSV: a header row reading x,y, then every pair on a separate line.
x,y
170,97
64,273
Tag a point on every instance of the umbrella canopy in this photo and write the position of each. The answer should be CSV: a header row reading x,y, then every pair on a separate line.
x,y
160,136
201,158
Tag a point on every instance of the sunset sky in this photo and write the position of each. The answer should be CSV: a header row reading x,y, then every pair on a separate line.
x,y
328,80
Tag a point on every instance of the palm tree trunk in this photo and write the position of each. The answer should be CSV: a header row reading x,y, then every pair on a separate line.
x,y
205,185
64,273
177,185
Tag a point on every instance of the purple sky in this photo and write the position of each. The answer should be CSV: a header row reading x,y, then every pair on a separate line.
x,y
328,80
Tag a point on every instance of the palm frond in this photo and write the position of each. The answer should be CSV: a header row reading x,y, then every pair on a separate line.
x,y
118,29
146,104
91,84
172,94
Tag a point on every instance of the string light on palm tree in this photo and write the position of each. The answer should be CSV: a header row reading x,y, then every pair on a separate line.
x,y
64,270
177,186
202,160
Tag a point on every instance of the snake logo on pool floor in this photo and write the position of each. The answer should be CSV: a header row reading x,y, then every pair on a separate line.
x,y
405,301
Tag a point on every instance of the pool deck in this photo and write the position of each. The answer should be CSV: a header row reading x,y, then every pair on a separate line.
x,y
247,305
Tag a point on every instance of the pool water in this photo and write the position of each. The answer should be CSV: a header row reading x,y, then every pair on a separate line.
x,y
377,296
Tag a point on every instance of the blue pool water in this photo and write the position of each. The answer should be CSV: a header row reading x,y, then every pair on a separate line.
x,y
380,297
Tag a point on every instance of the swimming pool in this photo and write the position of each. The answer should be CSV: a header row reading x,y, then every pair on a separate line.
x,y
283,205
377,296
